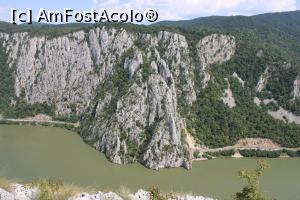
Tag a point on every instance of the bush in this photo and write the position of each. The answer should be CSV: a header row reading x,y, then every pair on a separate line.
x,y
156,194
260,153
5,184
196,154
225,153
251,190
207,155
47,188
56,189
292,153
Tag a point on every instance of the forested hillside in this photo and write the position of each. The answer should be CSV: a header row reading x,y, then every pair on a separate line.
x,y
277,37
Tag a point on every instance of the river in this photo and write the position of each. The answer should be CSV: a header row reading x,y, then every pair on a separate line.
x,y
28,153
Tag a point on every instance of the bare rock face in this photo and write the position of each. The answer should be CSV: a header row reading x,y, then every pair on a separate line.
x,y
62,70
215,49
145,120
263,80
235,75
227,97
285,115
257,101
296,91
127,86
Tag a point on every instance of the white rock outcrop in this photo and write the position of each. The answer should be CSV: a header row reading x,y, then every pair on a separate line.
x,y
235,75
296,89
260,53
227,97
97,196
257,101
267,101
285,115
215,49
263,80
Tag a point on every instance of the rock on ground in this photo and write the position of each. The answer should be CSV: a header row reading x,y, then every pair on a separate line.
x,y
20,192
144,195
98,196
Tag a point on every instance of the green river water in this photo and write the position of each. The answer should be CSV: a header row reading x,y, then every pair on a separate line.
x,y
28,153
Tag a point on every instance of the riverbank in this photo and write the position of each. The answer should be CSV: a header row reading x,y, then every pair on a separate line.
x,y
204,153
241,153
56,190
248,147
42,120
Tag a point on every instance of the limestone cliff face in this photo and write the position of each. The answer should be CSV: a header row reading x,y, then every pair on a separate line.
x,y
125,85
61,70
296,90
214,49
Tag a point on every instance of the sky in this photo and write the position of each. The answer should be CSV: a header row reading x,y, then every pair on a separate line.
x,y
167,9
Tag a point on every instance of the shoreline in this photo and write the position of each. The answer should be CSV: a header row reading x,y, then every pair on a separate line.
x,y
237,149
44,123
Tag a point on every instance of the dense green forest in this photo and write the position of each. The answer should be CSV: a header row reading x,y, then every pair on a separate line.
x,y
6,81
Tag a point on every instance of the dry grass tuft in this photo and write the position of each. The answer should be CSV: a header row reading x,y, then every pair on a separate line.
x,y
124,192
57,190
5,184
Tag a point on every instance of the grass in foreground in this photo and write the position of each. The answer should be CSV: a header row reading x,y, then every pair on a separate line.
x,y
5,184
57,190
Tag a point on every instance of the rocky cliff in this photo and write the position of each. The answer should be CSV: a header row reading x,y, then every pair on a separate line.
x,y
124,85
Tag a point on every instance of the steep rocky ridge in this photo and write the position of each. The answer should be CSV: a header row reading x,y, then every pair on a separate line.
x,y
124,85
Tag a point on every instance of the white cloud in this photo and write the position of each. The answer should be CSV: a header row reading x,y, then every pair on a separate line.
x,y
185,9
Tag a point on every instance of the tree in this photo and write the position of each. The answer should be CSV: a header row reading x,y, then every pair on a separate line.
x,y
251,190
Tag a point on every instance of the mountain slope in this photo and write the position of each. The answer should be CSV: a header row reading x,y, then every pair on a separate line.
x,y
139,91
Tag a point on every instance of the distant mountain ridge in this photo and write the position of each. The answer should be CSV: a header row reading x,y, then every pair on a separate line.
x,y
280,19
